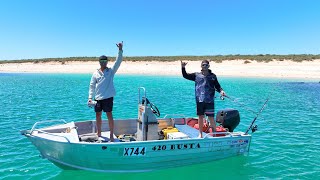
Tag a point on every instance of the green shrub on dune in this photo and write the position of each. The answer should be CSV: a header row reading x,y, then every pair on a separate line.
x,y
215,58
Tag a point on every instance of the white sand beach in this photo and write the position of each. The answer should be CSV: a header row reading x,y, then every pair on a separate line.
x,y
236,68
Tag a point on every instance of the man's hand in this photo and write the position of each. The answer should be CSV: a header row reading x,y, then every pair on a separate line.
x,y
222,93
183,64
120,45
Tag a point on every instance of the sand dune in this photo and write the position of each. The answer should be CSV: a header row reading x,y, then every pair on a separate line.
x,y
236,68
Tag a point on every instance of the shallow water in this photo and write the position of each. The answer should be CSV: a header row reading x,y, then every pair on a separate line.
x,y
286,146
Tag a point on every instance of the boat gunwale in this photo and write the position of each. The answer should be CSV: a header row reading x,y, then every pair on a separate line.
x,y
145,142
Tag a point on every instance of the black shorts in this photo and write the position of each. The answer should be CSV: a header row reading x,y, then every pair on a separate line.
x,y
106,105
205,108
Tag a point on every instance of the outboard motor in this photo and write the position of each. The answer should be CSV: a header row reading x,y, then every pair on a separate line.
x,y
229,118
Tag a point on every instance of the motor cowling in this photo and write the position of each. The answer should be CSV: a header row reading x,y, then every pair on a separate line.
x,y
228,118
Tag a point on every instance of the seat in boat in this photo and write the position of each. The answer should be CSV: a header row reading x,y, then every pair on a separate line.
x,y
190,131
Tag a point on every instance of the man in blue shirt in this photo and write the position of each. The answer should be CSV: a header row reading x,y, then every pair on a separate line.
x,y
206,83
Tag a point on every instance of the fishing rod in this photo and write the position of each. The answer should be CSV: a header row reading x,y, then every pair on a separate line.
x,y
254,128
241,104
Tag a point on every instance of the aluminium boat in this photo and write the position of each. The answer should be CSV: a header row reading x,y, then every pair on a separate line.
x,y
145,143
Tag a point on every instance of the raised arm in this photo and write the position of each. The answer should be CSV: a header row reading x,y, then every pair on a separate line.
x,y
116,65
191,77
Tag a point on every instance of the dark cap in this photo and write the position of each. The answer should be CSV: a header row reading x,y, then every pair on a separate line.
x,y
205,62
103,57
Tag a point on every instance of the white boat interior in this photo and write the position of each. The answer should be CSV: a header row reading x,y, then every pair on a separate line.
x,y
125,131
146,127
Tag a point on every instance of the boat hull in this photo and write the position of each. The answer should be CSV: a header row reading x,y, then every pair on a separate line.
x,y
140,156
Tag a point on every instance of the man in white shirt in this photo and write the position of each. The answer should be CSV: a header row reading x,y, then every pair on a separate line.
x,y
101,85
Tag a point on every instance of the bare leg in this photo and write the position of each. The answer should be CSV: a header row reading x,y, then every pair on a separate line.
x,y
98,122
212,123
200,122
111,125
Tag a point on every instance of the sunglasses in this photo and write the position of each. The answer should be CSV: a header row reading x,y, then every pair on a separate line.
x,y
103,61
204,65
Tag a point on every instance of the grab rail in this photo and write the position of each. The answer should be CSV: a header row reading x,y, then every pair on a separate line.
x,y
41,122
145,94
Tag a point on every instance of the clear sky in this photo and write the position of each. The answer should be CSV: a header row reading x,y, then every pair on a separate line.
x,y
69,28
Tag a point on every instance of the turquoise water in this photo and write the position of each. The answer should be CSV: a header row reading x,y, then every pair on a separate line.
x,y
286,146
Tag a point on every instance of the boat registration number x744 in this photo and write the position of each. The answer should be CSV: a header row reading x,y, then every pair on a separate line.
x,y
134,151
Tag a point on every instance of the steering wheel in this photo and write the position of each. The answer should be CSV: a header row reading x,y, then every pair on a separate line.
x,y
154,109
